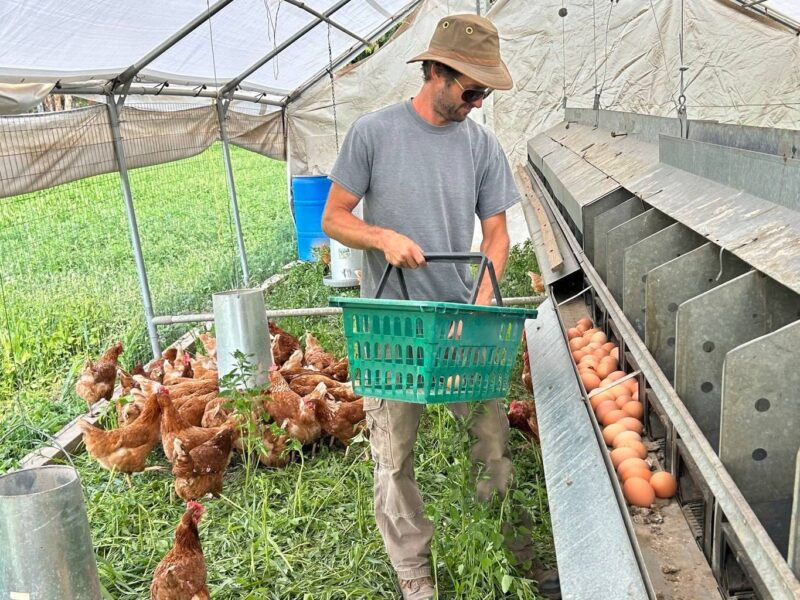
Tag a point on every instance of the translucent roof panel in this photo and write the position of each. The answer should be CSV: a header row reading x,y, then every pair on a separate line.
x,y
50,40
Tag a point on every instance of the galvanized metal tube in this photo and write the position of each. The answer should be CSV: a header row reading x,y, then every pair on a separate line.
x,y
241,326
141,270
232,193
45,536
769,565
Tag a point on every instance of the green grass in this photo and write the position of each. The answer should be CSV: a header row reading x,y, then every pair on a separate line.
x,y
68,284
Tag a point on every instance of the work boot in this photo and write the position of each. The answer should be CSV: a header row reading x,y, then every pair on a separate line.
x,y
417,589
547,581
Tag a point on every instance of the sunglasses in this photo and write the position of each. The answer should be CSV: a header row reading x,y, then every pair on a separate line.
x,y
471,95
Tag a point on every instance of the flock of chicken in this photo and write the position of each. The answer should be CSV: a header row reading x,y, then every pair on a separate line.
x,y
175,400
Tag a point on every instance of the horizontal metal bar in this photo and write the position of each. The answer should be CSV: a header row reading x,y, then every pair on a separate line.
x,y
233,83
770,566
160,90
332,23
324,311
131,72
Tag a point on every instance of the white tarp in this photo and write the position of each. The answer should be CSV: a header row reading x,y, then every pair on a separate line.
x,y
51,40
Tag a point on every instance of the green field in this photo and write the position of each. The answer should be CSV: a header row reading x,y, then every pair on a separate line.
x,y
69,289
68,284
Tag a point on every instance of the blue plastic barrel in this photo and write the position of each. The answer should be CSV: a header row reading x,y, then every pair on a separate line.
x,y
309,193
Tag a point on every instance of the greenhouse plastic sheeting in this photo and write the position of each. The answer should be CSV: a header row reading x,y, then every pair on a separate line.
x,y
52,40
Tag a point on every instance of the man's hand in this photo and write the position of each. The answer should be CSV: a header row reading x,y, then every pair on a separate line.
x,y
402,251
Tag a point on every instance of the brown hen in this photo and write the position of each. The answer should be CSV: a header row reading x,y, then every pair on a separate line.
x,y
181,574
315,354
291,412
96,381
199,471
283,343
124,449
174,426
340,419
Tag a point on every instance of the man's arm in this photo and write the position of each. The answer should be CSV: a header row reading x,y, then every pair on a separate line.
x,y
495,245
339,222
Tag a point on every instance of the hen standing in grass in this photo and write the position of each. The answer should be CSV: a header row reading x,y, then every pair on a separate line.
x,y
174,426
283,343
522,416
181,574
199,471
340,419
294,413
125,448
315,354
97,380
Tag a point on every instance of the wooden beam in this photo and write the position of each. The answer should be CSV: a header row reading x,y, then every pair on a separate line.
x,y
554,257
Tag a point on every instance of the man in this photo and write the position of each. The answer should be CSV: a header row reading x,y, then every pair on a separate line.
x,y
424,171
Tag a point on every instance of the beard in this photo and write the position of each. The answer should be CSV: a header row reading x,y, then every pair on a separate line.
x,y
450,111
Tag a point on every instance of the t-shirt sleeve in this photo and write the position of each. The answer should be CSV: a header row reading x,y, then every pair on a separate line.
x,y
498,190
353,165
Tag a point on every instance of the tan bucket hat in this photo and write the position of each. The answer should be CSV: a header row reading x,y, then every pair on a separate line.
x,y
470,45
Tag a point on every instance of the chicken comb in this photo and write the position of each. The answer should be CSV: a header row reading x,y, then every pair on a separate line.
x,y
273,367
163,390
195,507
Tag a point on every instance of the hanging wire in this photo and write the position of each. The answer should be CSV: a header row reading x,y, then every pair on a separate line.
x,y
272,23
594,49
664,54
333,90
563,14
682,70
605,63
235,267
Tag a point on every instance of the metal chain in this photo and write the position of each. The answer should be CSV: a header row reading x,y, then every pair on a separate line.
x,y
333,90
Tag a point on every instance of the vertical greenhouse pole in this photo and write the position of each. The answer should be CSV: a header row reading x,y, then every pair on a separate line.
x,y
232,190
141,271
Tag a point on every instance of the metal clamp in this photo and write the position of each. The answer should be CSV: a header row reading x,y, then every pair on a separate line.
x,y
469,257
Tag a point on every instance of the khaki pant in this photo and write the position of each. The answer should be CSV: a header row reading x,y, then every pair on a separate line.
x,y
398,504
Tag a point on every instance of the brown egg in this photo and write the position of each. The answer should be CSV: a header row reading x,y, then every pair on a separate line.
x,y
632,424
635,395
609,346
603,369
590,381
645,474
599,353
634,408
664,484
631,463
576,343
586,323
625,435
577,355
587,359
616,374
590,332
603,409
638,492
637,445
592,346
623,400
619,390
620,454
633,386
613,416
610,432
600,398
599,337
573,333
615,353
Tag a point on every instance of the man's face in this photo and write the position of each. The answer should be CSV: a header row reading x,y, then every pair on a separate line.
x,y
447,100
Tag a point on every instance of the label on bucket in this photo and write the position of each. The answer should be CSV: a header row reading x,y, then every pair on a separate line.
x,y
19,596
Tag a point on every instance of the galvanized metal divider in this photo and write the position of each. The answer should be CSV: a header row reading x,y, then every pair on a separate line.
x,y
674,282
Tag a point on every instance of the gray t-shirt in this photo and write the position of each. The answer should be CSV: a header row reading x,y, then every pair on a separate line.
x,y
427,183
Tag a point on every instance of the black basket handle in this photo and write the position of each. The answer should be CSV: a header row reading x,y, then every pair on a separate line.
x,y
469,257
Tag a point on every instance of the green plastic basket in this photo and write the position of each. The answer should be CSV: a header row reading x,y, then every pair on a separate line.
x,y
431,352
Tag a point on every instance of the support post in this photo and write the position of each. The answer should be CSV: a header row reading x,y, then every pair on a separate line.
x,y
221,109
288,146
141,271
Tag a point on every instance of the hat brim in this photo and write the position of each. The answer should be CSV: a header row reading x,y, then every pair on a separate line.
x,y
496,77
